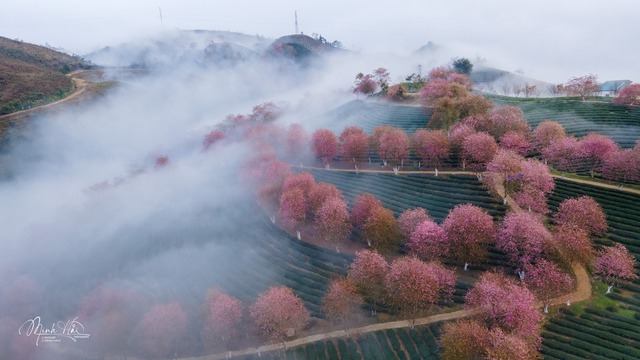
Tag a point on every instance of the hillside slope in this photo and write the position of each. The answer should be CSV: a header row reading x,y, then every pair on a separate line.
x,y
32,75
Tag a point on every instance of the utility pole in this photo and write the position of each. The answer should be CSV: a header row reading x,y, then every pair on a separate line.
x,y
296,15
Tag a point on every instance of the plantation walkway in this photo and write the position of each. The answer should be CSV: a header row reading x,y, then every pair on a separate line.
x,y
597,183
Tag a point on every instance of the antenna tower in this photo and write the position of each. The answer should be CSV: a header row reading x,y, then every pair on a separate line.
x,y
296,15
160,10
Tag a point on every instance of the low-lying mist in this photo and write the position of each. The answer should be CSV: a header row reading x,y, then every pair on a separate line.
x,y
87,211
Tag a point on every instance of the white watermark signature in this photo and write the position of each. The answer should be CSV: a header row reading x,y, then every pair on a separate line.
x,y
71,329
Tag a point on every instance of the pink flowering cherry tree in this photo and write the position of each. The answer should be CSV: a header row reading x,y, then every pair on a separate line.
x,y
614,265
367,272
469,230
428,241
522,237
279,313
325,145
585,212
332,222
547,281
223,316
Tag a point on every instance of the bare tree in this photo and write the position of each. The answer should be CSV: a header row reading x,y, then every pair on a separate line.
x,y
517,89
506,89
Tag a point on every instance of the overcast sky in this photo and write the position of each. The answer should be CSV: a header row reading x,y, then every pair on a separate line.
x,y
548,40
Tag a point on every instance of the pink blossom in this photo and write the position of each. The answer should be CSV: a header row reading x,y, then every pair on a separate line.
x,y
516,141
547,280
368,271
614,264
428,241
584,212
574,243
622,166
293,208
223,315
478,149
470,230
394,146
319,194
163,329
325,145
522,237
342,300
410,219
564,154
362,208
504,304
595,147
212,138
547,132
332,221
354,143
629,96
431,146
278,312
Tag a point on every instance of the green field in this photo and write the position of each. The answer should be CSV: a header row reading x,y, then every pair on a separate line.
x,y
597,333
369,115
579,118
419,343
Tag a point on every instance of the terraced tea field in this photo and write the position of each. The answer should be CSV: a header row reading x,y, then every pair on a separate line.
x,y
402,344
579,118
437,195
369,115
596,333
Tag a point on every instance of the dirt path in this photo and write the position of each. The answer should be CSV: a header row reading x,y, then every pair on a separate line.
x,y
80,85
596,183
582,292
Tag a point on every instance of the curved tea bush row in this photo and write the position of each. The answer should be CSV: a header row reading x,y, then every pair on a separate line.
x,y
369,115
402,344
278,258
599,334
596,334
437,195
579,118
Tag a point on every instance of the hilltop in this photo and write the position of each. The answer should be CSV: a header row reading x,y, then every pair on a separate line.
x,y
32,75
